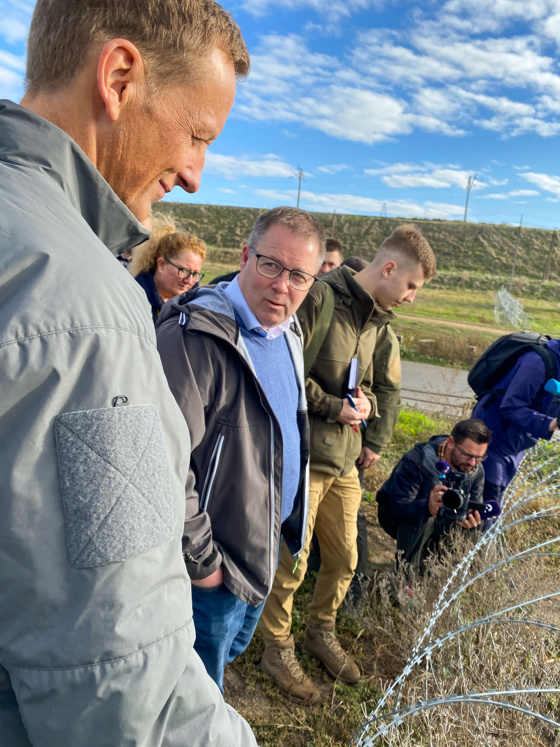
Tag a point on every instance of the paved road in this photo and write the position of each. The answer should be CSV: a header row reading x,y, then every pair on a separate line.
x,y
432,388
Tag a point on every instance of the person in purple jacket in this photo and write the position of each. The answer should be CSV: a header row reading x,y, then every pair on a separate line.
x,y
519,412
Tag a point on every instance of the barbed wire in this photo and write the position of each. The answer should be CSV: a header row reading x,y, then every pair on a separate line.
x,y
498,557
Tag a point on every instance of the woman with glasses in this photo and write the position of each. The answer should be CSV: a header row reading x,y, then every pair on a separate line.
x,y
168,263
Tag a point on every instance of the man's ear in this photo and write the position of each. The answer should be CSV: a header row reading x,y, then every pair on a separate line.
x,y
244,257
451,442
121,76
389,268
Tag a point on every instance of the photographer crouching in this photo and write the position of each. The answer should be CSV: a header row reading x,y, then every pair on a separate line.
x,y
435,487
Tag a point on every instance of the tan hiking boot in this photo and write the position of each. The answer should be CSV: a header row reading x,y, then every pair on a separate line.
x,y
325,646
280,663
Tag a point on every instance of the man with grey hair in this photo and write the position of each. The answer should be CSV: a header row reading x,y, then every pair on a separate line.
x,y
96,629
340,399
233,358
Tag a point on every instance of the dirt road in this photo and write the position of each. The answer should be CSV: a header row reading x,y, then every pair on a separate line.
x,y
449,323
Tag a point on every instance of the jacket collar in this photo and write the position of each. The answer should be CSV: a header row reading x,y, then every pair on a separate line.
x,y
146,281
210,311
342,281
35,144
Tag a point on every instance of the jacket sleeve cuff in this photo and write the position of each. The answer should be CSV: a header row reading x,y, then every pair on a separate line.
x,y
209,565
335,408
374,447
546,434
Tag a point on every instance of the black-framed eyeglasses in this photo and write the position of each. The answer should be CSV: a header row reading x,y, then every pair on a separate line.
x,y
271,268
185,272
470,456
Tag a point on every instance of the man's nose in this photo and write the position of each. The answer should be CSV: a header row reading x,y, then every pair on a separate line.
x,y
189,178
410,296
282,282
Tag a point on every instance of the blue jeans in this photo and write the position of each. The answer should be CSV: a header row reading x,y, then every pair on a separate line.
x,y
224,627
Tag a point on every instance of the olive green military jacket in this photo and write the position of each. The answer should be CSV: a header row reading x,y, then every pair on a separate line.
x,y
387,389
353,332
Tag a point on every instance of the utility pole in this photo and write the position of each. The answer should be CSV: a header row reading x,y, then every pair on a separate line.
x,y
515,253
299,175
548,263
383,213
470,184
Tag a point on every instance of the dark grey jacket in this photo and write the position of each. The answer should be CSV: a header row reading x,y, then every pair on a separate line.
x,y
96,631
406,493
234,492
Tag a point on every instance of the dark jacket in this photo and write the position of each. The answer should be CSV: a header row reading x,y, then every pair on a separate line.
x,y
518,413
352,332
405,494
234,491
146,281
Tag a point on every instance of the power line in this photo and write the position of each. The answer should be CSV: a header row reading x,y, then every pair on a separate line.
x,y
470,184
515,252
548,263
299,176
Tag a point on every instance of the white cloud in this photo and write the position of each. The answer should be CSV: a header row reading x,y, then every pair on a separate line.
x,y
454,79
11,84
520,126
291,84
497,182
544,181
508,195
8,78
227,191
357,115
15,17
479,16
334,168
333,10
355,204
13,30
400,176
233,167
12,61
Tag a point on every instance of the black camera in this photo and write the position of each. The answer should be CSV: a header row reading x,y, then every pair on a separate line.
x,y
456,503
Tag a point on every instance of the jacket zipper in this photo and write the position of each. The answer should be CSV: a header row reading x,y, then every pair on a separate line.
x,y
272,567
210,477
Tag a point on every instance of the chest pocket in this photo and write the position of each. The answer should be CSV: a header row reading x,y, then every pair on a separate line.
x,y
116,488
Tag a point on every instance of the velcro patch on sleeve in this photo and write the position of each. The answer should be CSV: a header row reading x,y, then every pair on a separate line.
x,y
116,488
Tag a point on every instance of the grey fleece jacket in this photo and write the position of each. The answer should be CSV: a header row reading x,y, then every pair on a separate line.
x,y
234,491
96,627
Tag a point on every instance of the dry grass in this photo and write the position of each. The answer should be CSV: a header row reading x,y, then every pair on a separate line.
x,y
485,654
514,650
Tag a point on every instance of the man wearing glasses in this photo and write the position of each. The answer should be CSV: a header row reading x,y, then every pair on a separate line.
x,y
233,358
411,499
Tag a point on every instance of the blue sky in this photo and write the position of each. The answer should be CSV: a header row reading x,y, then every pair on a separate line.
x,y
387,105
